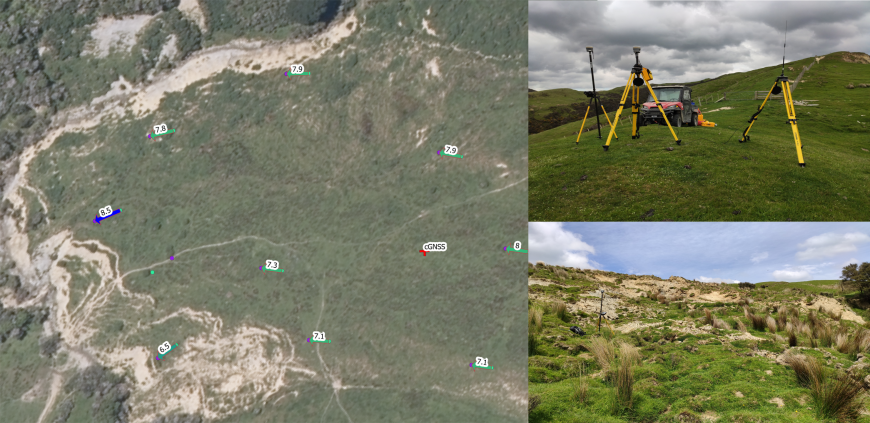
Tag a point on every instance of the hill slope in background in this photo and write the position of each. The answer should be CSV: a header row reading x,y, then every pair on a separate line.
x,y
693,351
551,108
712,176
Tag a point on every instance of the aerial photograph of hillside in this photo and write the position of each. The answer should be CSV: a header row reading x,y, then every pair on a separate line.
x,y
262,211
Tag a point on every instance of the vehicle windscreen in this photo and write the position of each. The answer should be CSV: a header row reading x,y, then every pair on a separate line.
x,y
666,94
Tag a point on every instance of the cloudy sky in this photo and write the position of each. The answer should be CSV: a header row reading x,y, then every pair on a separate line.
x,y
682,41
708,252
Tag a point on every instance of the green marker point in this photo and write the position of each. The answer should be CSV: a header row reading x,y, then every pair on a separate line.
x,y
275,270
487,367
328,341
518,251
152,272
167,132
296,74
458,156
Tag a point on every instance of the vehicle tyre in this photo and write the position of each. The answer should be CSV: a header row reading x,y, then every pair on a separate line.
x,y
694,121
676,120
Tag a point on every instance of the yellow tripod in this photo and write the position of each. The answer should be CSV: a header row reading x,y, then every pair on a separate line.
x,y
584,121
637,78
789,108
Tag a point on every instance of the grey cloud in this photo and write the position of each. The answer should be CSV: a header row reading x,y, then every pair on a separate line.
x,y
682,41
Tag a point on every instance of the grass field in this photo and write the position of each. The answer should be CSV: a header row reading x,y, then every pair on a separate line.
x,y
712,176
695,361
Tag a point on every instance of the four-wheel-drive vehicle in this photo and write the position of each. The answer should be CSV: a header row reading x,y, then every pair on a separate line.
x,y
676,101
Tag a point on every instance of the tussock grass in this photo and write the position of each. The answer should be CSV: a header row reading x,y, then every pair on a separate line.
x,y
603,351
758,322
771,324
536,319
720,324
630,352
560,310
808,370
624,383
792,339
839,398
708,317
740,326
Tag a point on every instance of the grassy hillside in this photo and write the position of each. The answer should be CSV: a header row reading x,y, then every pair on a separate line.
x,y
684,351
712,176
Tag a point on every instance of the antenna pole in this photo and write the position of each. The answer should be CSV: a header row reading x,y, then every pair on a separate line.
x,y
600,310
784,38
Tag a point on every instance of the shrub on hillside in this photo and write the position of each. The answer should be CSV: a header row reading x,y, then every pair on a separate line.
x,y
747,285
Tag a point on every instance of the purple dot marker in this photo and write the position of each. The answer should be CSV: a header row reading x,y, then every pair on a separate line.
x,y
171,257
505,248
149,135
309,339
471,365
439,152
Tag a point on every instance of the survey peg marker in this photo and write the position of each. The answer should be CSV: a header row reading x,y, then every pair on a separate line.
x,y
98,219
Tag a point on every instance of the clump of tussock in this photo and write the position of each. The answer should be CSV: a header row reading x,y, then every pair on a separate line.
x,y
562,274
782,318
838,397
807,369
540,264
789,327
740,326
580,389
533,343
835,315
771,324
758,322
792,339
560,310
825,335
720,324
846,344
630,352
813,320
536,319
708,317
604,353
624,383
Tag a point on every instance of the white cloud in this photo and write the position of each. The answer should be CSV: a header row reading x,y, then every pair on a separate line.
x,y
802,273
716,280
791,275
757,258
831,244
551,243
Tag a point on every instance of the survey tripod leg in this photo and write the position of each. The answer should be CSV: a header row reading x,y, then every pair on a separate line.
x,y
619,111
792,120
754,117
582,124
789,108
662,111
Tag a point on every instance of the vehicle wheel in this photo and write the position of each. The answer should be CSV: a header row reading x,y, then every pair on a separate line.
x,y
694,120
676,121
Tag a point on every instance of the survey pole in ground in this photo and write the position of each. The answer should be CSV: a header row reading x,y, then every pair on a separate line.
x,y
600,310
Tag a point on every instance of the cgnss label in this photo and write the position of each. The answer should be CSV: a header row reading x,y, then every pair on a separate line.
x,y
435,246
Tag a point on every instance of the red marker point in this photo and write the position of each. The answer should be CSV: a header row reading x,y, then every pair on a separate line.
x,y
424,252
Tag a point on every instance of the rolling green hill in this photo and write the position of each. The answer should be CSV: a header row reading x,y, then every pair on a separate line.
x,y
712,176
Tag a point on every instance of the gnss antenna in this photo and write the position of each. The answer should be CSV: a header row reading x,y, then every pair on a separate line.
x,y
784,38
593,98
783,88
